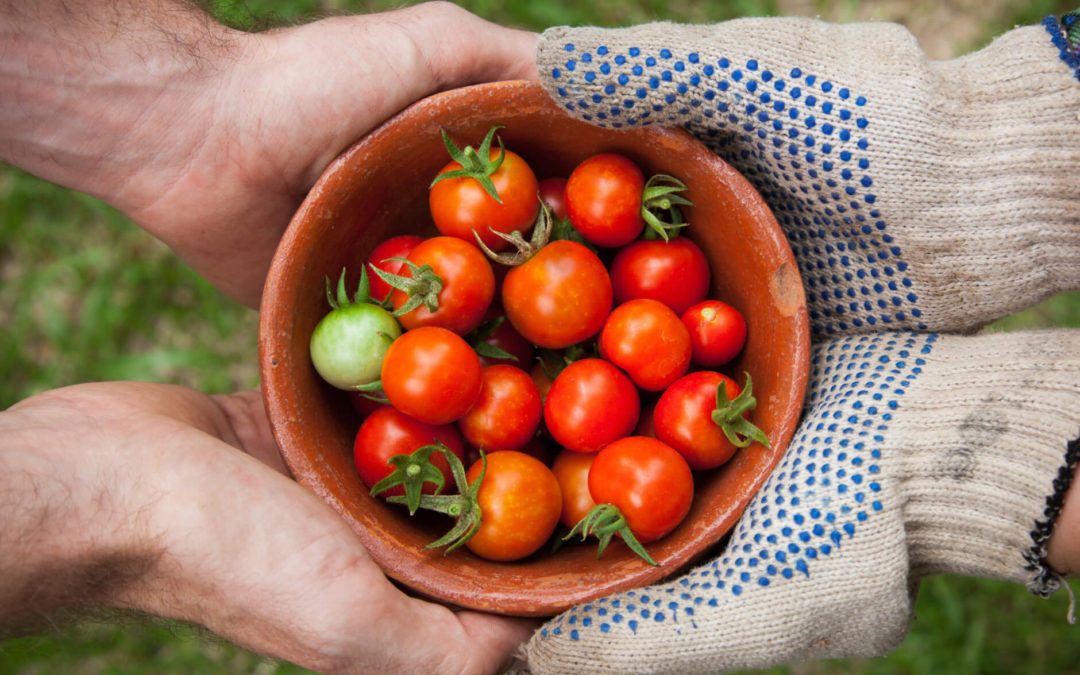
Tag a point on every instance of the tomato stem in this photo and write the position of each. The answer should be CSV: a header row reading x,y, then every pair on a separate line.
x,y
605,521
659,200
464,507
363,291
422,287
541,235
475,164
411,472
728,415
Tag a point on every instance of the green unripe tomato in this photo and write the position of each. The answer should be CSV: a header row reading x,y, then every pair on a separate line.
x,y
348,344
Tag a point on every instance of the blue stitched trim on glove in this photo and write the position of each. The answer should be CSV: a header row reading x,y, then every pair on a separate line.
x,y
825,489
1065,35
802,141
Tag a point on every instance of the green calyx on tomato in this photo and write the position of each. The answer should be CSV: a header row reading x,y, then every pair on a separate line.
x,y
363,291
422,287
476,164
411,472
464,507
541,235
605,521
348,344
660,202
728,415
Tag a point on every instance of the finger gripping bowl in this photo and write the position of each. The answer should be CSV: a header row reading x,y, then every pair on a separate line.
x,y
377,189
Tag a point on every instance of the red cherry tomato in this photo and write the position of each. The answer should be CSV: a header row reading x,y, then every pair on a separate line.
x,y
506,414
461,206
520,501
468,285
590,404
717,332
648,481
559,297
648,341
504,336
431,374
571,469
674,272
683,419
394,247
603,199
388,432
553,193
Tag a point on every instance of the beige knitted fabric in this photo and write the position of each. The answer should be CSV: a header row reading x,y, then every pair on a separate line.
x,y
918,454
915,194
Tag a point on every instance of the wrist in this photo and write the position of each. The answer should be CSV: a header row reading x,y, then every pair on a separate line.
x,y
985,439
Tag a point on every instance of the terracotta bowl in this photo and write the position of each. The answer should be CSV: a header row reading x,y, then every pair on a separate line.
x,y
378,188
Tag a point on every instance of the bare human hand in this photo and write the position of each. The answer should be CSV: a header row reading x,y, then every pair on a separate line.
x,y
209,138
166,511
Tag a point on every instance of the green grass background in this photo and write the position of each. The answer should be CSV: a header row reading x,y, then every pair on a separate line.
x,y
85,295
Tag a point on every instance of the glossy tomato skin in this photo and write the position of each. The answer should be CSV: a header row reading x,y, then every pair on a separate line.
x,y
468,285
590,404
388,432
507,412
674,272
431,374
553,193
559,297
460,206
520,502
717,332
648,341
381,256
571,469
648,481
683,419
603,199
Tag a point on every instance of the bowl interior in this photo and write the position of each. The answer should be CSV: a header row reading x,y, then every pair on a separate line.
x,y
377,189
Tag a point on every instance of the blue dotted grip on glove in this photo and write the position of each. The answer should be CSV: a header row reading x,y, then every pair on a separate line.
x,y
799,138
824,490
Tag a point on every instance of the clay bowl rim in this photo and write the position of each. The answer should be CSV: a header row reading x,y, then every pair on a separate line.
x,y
531,587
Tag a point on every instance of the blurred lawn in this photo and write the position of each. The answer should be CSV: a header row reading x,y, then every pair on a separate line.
x,y
84,295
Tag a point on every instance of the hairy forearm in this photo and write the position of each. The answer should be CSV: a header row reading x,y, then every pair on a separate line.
x,y
89,89
69,544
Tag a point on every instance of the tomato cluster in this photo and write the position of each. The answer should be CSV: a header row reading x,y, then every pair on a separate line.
x,y
576,371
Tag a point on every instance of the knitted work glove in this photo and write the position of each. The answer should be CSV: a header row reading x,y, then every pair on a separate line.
x,y
915,194
919,454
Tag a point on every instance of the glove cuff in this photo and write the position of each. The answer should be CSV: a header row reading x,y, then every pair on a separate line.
x,y
987,443
1065,35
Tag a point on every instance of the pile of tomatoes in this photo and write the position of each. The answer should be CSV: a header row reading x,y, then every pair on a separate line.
x,y
575,371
